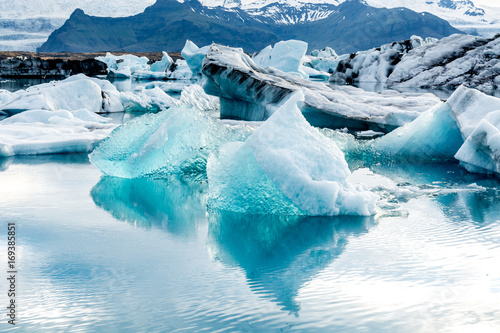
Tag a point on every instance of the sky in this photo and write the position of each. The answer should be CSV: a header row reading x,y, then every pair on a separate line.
x,y
491,3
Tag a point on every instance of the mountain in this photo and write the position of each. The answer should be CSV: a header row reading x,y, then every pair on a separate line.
x,y
350,26
26,24
462,14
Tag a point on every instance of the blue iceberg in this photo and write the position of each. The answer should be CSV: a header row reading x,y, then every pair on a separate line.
x,y
174,141
285,167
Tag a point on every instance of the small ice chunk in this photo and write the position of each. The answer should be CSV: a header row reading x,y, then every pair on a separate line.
x,y
147,100
194,95
285,167
163,65
285,56
194,56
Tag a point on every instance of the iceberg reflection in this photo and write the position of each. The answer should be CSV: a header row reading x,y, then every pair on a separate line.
x,y
168,204
279,254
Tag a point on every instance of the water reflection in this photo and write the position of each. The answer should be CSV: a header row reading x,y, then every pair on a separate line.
x,y
279,254
168,204
58,159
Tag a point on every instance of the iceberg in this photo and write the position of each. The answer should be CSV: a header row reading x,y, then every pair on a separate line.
x,y
163,65
285,167
463,128
285,56
181,71
111,99
481,151
194,96
147,100
168,87
450,62
249,92
374,65
49,132
433,136
124,66
57,95
176,141
194,56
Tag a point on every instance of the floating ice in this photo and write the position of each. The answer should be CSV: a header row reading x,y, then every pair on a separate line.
x,y
49,132
146,100
168,87
481,151
285,167
451,62
111,100
479,118
438,134
194,96
6,96
125,65
57,95
434,136
181,71
249,92
285,56
163,65
194,56
175,141
374,65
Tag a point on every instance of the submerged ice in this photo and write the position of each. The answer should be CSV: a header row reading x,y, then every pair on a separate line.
x,y
285,167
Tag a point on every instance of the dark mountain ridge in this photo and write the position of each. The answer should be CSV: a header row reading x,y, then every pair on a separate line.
x,y
167,24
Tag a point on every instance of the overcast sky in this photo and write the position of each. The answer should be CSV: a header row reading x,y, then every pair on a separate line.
x,y
492,3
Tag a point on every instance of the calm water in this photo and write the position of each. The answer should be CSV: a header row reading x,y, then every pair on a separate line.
x,y
100,254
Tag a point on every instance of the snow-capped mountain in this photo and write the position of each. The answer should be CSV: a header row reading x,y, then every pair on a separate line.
x,y
26,24
462,14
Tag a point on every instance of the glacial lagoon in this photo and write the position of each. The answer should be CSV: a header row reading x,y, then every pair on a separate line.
x,y
106,254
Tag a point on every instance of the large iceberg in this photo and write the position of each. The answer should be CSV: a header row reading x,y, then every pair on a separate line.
x,y
450,62
176,141
285,167
438,64
249,92
49,132
375,65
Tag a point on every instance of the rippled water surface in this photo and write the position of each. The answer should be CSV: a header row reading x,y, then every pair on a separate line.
x,y
100,254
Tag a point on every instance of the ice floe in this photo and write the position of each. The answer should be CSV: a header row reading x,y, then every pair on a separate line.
x,y
49,132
